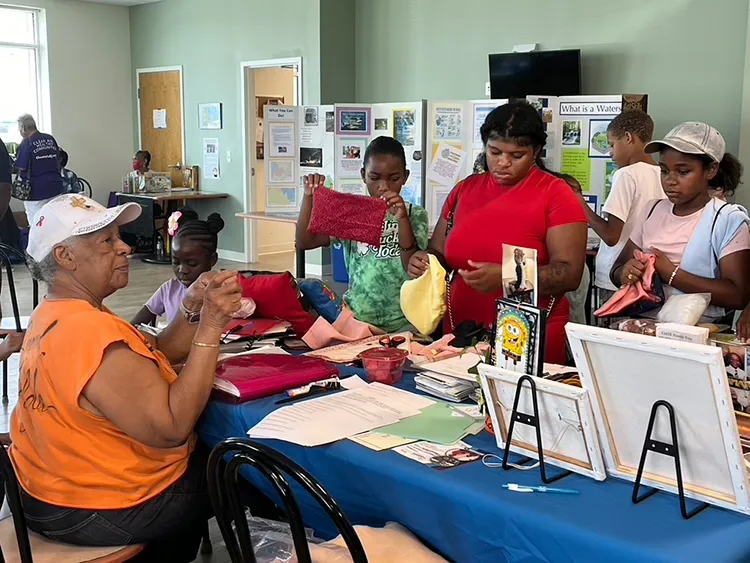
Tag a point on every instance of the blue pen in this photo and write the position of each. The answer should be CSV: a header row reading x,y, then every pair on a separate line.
x,y
525,489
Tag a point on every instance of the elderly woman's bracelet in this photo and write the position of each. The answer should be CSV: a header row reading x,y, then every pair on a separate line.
x,y
204,345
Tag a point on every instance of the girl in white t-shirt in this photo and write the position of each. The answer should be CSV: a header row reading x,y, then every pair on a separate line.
x,y
701,244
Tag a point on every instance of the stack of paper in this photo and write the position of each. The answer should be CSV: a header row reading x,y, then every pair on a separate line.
x,y
336,417
457,367
449,379
445,387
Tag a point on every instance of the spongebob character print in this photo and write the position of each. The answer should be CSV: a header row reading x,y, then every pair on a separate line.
x,y
513,329
376,273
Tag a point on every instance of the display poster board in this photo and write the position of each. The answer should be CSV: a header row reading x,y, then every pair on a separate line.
x,y
298,140
577,142
453,144
356,125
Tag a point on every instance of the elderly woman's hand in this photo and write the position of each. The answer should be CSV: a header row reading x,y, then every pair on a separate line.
x,y
221,300
194,298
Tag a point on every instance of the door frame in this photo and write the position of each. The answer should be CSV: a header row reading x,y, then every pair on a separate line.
x,y
151,70
248,180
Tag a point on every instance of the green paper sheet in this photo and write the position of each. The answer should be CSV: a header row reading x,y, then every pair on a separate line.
x,y
437,424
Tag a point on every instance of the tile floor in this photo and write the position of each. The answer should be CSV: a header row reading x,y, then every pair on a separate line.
x,y
144,279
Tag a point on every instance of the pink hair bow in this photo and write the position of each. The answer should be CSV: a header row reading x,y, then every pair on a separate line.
x,y
173,223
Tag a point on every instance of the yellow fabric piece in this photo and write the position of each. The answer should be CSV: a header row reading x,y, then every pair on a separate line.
x,y
423,299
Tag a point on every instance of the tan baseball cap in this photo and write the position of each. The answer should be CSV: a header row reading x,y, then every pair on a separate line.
x,y
692,137
71,215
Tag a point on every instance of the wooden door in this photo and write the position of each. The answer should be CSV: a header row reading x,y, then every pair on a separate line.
x,y
161,91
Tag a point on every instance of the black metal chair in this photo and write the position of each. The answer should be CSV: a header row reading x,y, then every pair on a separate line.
x,y
43,547
5,253
85,187
224,465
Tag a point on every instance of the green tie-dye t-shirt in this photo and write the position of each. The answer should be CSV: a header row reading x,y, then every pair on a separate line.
x,y
376,273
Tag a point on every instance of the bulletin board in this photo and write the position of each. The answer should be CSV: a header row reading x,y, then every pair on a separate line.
x,y
298,140
356,125
454,142
577,141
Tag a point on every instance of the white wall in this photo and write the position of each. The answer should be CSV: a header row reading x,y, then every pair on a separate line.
x,y
88,48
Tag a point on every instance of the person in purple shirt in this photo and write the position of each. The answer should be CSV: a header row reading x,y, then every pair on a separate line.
x,y
194,251
38,159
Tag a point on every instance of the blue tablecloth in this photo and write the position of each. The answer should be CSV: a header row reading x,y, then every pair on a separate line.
x,y
467,516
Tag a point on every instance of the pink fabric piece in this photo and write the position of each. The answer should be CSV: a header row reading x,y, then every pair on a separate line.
x,y
247,308
348,217
346,328
438,350
642,290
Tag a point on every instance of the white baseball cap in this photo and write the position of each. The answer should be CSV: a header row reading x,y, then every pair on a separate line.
x,y
72,215
692,138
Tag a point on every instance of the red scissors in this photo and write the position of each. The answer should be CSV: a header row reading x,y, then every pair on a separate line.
x,y
392,341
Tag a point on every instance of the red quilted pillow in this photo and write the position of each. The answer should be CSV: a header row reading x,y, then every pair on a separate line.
x,y
276,298
348,217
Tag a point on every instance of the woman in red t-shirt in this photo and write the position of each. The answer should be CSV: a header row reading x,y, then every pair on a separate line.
x,y
517,203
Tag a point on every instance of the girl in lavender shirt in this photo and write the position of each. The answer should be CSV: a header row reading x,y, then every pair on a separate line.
x,y
194,246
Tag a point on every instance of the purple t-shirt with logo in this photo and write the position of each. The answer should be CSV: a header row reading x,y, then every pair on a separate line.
x,y
167,300
39,153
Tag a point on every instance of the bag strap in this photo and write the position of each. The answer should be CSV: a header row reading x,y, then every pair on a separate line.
x,y
658,201
711,236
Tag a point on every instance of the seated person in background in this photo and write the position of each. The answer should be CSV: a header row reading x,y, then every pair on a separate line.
x,y
636,182
701,244
71,185
376,274
194,252
103,436
141,170
37,161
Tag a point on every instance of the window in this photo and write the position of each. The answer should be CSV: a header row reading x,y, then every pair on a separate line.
x,y
19,69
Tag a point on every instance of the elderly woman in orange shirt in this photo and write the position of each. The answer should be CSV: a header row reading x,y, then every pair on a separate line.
x,y
103,441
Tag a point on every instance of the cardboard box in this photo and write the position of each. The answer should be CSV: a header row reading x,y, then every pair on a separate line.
x,y
683,333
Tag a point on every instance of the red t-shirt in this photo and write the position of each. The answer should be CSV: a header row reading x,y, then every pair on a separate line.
x,y
486,216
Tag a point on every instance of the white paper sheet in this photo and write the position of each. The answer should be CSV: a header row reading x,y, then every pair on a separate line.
x,y
446,168
458,366
336,417
283,141
160,119
211,167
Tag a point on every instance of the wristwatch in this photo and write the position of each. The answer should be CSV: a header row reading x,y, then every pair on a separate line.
x,y
192,317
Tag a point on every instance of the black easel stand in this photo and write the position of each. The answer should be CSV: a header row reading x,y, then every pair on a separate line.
x,y
529,420
671,450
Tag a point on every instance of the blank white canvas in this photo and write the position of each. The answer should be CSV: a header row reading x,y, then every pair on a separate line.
x,y
626,374
566,421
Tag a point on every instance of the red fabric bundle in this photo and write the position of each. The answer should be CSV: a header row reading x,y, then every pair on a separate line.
x,y
348,217
276,298
642,290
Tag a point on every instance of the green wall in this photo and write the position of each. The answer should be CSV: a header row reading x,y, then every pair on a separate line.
x,y
688,55
210,40
337,44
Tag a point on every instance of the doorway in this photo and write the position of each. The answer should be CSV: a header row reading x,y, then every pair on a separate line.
x,y
160,116
275,82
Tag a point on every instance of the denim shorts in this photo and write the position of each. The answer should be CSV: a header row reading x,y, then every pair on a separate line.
x,y
170,524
